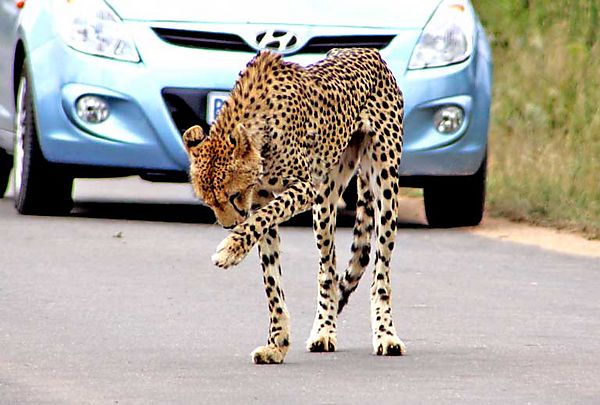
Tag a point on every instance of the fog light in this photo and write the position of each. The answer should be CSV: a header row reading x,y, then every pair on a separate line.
x,y
448,120
92,109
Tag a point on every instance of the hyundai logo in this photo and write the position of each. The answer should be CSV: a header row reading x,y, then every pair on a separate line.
x,y
279,41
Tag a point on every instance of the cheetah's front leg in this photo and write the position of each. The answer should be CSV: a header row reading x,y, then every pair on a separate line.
x,y
279,336
295,199
323,336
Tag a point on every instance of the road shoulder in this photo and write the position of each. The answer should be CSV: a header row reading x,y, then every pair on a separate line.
x,y
411,210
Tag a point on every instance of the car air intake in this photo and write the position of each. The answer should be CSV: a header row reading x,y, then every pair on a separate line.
x,y
187,107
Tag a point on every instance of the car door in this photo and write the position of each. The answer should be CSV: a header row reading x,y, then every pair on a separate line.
x,y
9,13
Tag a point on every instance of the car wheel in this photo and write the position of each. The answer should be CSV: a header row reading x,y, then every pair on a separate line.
x,y
40,188
456,201
5,168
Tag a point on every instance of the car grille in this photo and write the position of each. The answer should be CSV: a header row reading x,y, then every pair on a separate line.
x,y
205,40
232,42
324,44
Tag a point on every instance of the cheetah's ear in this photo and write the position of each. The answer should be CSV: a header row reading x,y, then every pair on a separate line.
x,y
193,137
240,139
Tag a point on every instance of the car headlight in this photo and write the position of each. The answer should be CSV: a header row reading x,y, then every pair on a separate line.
x,y
447,38
91,26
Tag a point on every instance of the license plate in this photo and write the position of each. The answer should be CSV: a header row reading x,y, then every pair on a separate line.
x,y
214,102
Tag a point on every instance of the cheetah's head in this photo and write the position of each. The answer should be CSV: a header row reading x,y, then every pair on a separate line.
x,y
223,171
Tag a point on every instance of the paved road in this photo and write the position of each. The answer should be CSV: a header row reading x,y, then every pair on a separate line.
x,y
119,303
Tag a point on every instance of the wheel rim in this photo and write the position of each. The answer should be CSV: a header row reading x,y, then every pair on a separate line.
x,y
19,147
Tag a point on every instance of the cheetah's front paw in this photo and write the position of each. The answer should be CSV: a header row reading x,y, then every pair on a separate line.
x,y
387,345
270,354
230,252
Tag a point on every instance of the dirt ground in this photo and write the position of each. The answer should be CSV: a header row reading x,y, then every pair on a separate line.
x,y
412,210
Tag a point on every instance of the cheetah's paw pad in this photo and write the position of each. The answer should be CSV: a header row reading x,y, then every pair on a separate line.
x,y
389,346
268,355
322,344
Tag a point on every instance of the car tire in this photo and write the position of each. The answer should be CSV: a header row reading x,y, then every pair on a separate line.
x,y
40,187
456,201
6,164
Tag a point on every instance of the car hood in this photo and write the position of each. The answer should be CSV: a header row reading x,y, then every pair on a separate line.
x,y
350,13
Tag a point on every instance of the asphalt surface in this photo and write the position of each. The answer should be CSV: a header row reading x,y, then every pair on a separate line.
x,y
119,303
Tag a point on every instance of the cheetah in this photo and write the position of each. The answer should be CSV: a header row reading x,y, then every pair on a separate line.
x,y
289,139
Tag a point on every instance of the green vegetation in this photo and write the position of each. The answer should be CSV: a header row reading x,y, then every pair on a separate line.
x,y
545,129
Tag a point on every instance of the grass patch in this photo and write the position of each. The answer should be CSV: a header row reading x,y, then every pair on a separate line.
x,y
545,129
